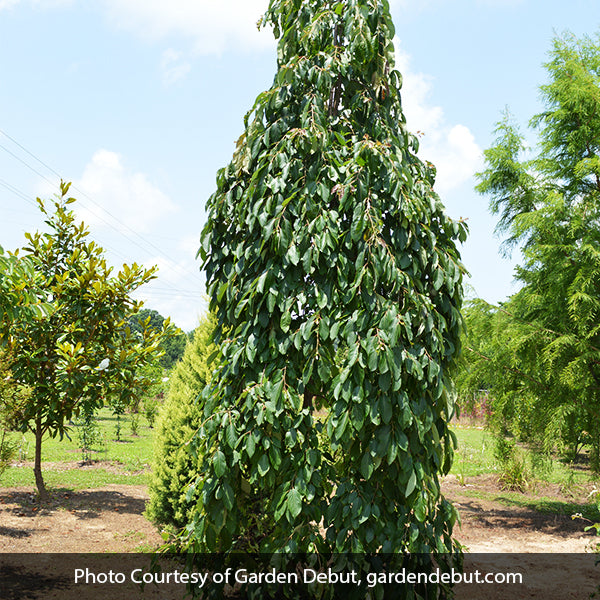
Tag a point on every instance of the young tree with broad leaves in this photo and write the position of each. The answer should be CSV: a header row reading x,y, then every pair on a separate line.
x,y
336,281
549,204
20,294
79,352
20,298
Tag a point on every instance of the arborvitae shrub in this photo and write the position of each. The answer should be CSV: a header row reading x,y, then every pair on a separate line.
x,y
179,417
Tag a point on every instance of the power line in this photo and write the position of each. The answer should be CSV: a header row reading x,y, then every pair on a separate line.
x,y
81,192
20,194
152,290
17,192
149,291
16,157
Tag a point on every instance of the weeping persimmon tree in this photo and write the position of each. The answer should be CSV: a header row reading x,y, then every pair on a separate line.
x,y
336,281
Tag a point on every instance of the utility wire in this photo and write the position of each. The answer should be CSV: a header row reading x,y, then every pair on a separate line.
x,y
17,192
150,291
81,192
20,194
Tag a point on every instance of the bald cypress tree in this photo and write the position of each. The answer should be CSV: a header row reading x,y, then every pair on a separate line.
x,y
336,281
549,204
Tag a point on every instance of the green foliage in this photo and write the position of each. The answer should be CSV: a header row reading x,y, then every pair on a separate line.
x,y
8,449
513,465
135,423
336,281
172,346
547,352
593,546
88,434
174,466
150,409
127,463
80,350
154,379
20,295
9,393
504,449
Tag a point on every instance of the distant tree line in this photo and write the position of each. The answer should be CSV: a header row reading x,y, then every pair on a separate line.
x,y
173,347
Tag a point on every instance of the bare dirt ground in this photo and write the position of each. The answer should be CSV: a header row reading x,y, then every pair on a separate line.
x,y
110,519
107,519
490,525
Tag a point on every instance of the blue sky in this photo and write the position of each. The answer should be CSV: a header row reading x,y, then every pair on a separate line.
x,y
139,102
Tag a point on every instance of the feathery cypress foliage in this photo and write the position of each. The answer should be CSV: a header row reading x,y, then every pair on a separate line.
x,y
551,205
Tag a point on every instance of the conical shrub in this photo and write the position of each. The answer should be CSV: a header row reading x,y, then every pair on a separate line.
x,y
174,467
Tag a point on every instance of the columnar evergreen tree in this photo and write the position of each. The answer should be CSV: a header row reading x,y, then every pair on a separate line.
x,y
550,204
336,281
180,416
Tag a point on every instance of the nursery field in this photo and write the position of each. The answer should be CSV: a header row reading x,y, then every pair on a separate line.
x,y
98,505
117,455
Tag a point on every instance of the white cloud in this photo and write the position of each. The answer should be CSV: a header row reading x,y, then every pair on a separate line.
x,y
173,66
189,245
125,199
177,292
4,4
451,148
457,157
211,25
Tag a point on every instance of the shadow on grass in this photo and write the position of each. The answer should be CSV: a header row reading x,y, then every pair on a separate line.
x,y
552,507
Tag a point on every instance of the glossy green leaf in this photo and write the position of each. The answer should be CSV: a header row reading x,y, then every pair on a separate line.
x,y
220,464
294,503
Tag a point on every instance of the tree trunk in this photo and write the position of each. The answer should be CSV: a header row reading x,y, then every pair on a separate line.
x,y
37,466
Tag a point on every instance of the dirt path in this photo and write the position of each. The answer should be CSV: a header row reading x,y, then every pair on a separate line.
x,y
110,519
107,519
490,525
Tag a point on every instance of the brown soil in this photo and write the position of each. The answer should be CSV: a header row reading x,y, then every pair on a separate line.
x,y
110,519
107,519
491,525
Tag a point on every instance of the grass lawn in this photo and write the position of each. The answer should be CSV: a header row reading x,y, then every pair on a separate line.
x,y
128,461
475,452
121,462
475,456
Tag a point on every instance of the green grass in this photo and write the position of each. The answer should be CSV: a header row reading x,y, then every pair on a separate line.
x,y
475,456
127,461
541,504
77,479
